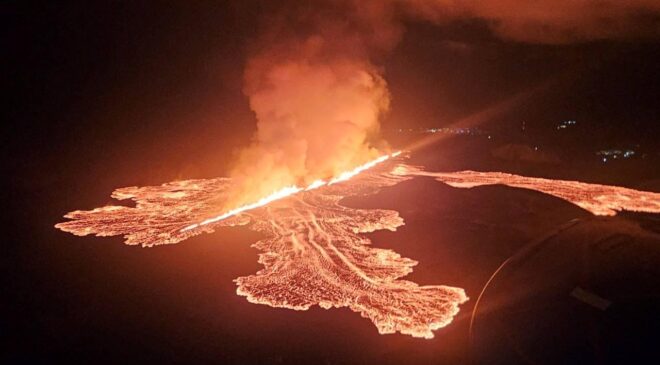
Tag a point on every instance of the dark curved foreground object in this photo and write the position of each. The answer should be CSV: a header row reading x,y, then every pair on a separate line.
x,y
582,294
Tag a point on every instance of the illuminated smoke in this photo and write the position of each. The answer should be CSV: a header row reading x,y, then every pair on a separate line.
x,y
316,94
315,86
552,22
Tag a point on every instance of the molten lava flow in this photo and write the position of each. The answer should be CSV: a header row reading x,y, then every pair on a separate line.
x,y
313,253
595,198
282,193
290,190
349,174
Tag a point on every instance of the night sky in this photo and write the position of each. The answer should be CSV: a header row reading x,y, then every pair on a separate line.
x,y
100,96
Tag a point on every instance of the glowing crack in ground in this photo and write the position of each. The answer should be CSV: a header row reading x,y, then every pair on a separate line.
x,y
313,253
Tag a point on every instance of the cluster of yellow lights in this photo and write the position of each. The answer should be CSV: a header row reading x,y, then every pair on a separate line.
x,y
291,190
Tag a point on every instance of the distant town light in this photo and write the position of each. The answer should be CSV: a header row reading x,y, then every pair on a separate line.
x,y
615,153
566,123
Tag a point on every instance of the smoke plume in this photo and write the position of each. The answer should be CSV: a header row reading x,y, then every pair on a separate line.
x,y
316,94
314,83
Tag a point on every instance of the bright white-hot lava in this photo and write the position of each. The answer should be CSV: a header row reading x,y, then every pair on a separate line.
x,y
290,190
282,193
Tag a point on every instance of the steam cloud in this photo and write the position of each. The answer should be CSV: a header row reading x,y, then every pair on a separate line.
x,y
317,91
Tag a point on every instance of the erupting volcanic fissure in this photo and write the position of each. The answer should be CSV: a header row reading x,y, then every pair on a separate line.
x,y
290,190
313,253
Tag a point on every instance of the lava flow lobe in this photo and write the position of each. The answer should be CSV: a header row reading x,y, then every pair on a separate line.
x,y
596,198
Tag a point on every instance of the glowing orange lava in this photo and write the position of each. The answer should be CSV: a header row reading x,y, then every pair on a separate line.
x,y
313,253
290,190
595,198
